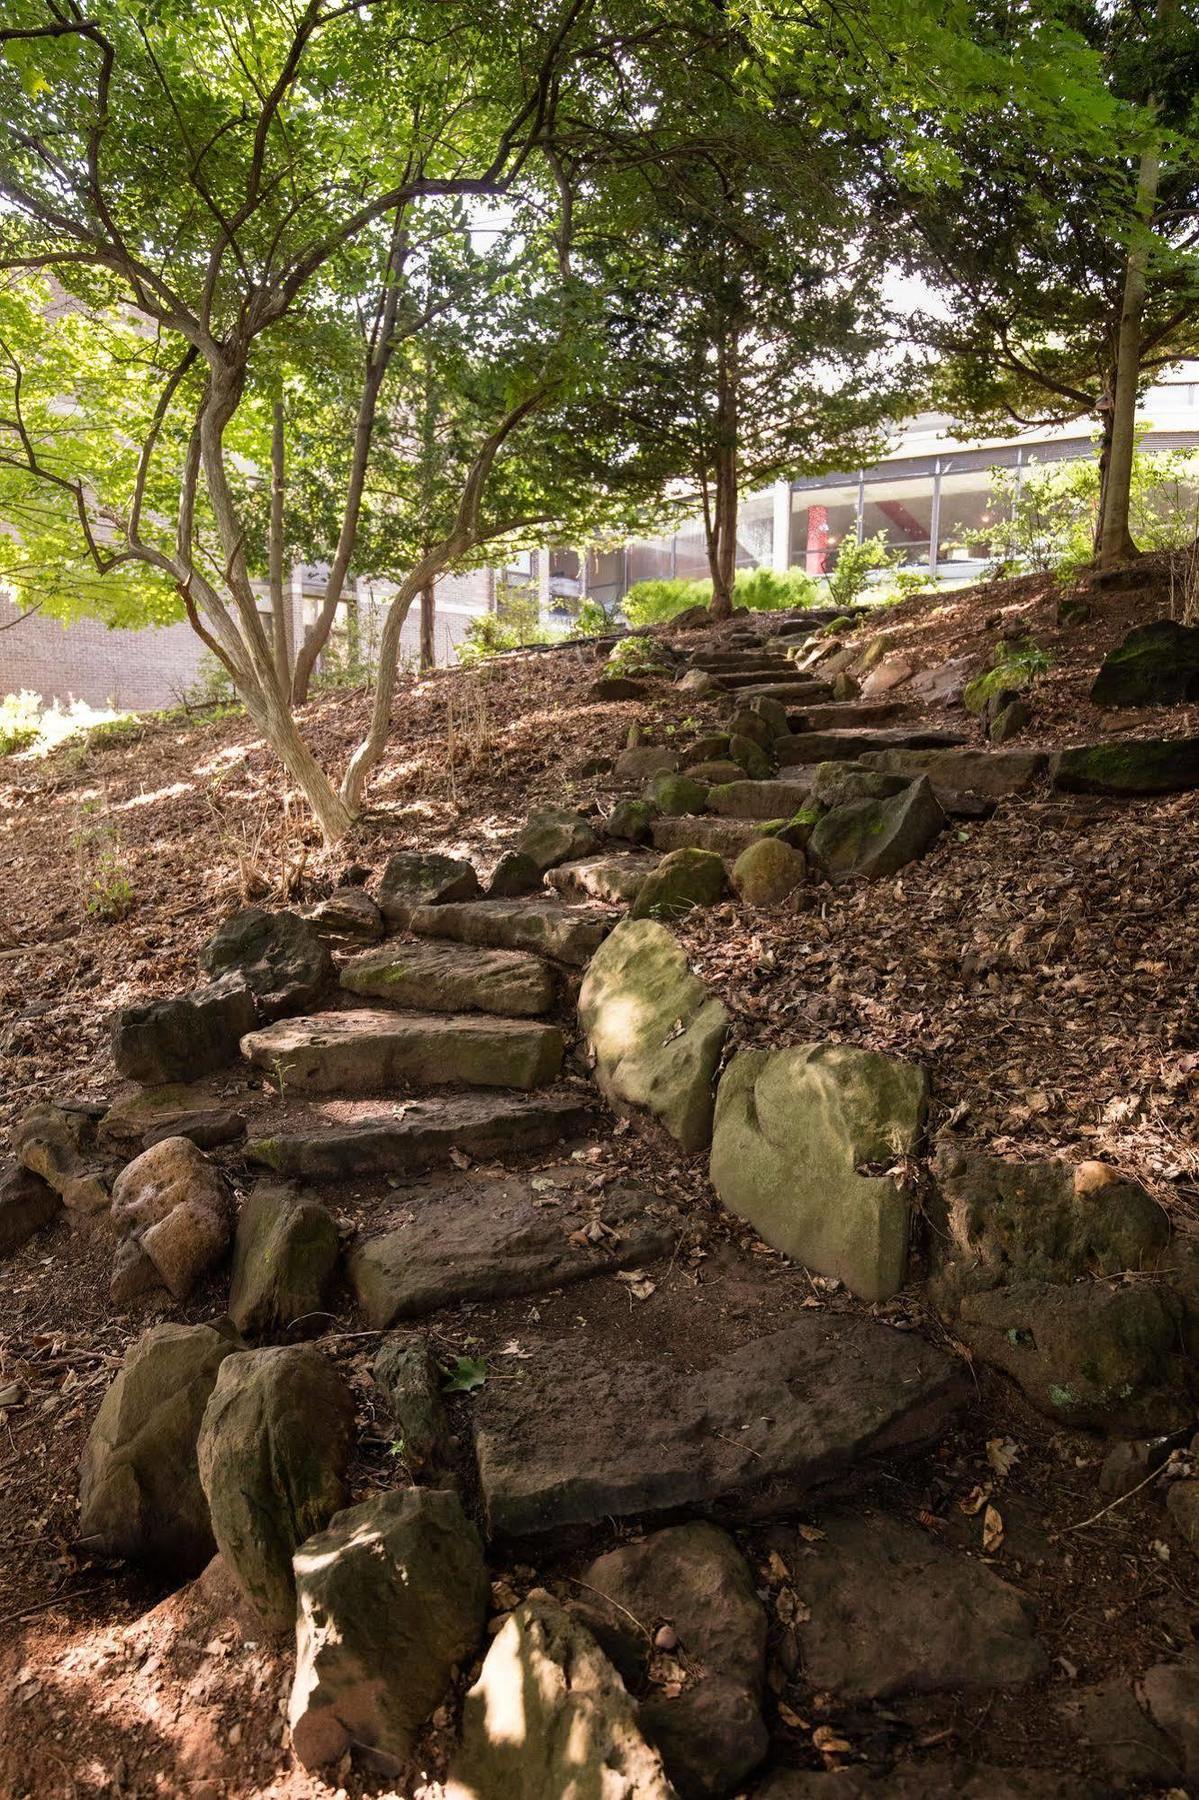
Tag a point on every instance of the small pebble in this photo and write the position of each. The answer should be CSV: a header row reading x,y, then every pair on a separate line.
x,y
666,1638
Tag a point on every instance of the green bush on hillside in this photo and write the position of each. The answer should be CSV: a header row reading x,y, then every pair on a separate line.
x,y
20,721
761,590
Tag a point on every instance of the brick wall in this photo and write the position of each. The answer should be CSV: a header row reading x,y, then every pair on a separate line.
x,y
138,670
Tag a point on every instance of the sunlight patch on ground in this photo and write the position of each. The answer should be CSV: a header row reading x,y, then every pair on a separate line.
x,y
176,790
221,761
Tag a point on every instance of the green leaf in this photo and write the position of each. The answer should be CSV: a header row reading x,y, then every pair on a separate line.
x,y
466,1374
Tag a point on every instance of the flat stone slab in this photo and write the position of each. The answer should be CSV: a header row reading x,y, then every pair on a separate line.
x,y
569,934
1129,766
616,880
439,977
758,799
424,1134
852,715
728,837
895,1612
488,1237
796,690
362,1052
850,743
992,773
580,1440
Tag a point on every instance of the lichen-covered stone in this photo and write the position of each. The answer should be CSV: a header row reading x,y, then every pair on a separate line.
x,y
284,959
766,872
840,783
391,1598
408,1377
556,835
751,757
676,795
1129,766
516,873
139,1492
58,1143
174,1205
876,838
415,878
630,820
792,1129
284,1255
748,722
636,993
682,880
272,1454
1156,665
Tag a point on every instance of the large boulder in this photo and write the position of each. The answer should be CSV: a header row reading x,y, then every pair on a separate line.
x,y
875,838
349,916
391,1598
417,878
139,1493
284,1255
654,1029
749,756
186,1037
683,880
840,783
1086,1355
27,1205
58,1143
793,1128
272,1454
640,761
1129,766
174,1212
515,874
1156,665
556,835
630,820
284,959
693,1580
1049,1221
550,1717
892,1611
676,796
766,872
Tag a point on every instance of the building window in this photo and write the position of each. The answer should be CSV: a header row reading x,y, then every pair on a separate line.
x,y
903,512
821,518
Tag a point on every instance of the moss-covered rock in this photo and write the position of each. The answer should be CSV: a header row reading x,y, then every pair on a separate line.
x,y
1084,1354
798,829
748,722
676,795
636,994
766,872
772,713
715,773
712,748
875,838
515,874
682,880
750,757
284,1255
1156,665
1008,721
1129,766
556,835
630,821
793,1127
415,878
839,783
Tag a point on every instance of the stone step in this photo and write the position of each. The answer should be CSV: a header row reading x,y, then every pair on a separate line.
x,y
849,745
581,1439
799,690
789,680
758,799
728,837
741,662
476,1236
432,977
853,714
569,934
425,1134
993,774
616,879
365,1051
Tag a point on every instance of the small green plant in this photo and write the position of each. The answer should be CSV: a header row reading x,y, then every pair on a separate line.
x,y
516,622
464,1375
106,890
20,721
761,590
1013,665
635,656
591,620
850,575
127,728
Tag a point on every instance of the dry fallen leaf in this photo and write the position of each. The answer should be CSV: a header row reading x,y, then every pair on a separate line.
x,y
776,1568
974,1501
828,1743
791,1719
992,1530
637,1282
1002,1454
791,1609
811,1534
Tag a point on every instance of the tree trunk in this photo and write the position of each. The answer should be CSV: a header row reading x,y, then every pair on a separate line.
x,y
1115,541
1105,458
281,643
272,715
721,518
428,613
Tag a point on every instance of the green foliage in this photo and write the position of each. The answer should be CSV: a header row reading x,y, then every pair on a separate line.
x,y
126,728
1047,511
106,888
591,620
464,1375
762,590
20,721
1013,665
635,656
856,562
515,624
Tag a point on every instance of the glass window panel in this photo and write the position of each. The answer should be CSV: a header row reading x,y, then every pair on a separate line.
x,y
820,519
649,560
903,512
691,554
968,506
755,532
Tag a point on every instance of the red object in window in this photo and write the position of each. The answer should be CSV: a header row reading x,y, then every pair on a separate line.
x,y
816,546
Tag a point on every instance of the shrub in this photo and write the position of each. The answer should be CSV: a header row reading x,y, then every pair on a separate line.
x,y
591,620
20,721
635,656
515,624
850,575
762,590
